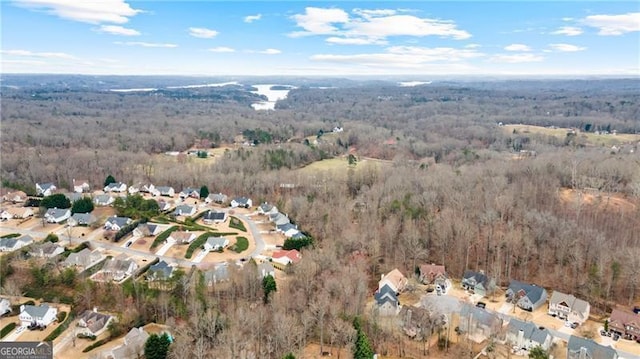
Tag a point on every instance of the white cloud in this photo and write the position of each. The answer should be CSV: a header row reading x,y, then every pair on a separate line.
x,y
517,58
355,41
270,52
252,18
222,49
93,12
370,26
614,24
566,47
568,31
403,57
118,30
145,44
472,46
318,21
45,55
517,47
202,33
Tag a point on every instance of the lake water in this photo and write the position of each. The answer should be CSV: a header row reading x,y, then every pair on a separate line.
x,y
272,96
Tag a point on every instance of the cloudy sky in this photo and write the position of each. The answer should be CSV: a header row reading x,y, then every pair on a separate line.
x,y
320,38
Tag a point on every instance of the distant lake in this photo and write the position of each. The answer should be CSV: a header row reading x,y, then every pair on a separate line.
x,y
273,93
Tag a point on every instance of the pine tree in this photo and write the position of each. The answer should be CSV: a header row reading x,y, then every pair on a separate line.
x,y
362,348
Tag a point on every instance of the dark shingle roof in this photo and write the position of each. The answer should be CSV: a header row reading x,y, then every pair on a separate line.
x,y
533,292
593,349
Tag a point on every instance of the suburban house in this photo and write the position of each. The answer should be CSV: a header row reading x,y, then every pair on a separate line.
x,y
5,306
265,269
527,335
15,197
116,223
92,322
527,296
626,324
46,250
83,259
42,315
181,237
190,193
143,188
115,187
434,274
19,212
568,307
582,348
215,243
118,269
57,215
387,303
165,191
242,202
217,274
288,229
82,219
267,209
81,186
164,205
477,283
285,257
103,200
13,244
214,217
133,346
395,279
298,235
478,324
159,271
5,215
216,198
279,219
73,196
184,210
45,189
147,230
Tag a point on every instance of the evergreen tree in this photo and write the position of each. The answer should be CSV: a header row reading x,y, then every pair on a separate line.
x,y
83,205
538,353
109,180
57,200
268,285
362,347
157,346
204,192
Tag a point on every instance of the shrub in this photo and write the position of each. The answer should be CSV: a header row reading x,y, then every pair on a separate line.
x,y
61,328
11,235
7,329
96,344
241,245
86,336
163,236
198,243
236,224
61,316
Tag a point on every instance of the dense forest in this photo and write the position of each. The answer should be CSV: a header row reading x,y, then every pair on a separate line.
x,y
436,178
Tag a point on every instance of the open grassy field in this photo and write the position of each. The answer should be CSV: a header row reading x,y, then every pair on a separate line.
x,y
591,138
341,165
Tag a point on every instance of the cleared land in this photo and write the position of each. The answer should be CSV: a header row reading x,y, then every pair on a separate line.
x,y
561,133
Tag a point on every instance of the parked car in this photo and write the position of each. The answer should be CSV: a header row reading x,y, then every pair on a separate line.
x,y
574,325
481,305
616,337
603,333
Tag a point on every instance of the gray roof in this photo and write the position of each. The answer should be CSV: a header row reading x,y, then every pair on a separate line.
x,y
161,270
298,235
11,242
287,226
572,302
46,248
217,274
36,312
216,241
117,264
120,221
265,268
83,218
533,292
218,197
477,276
114,185
386,294
190,190
530,330
593,349
46,186
183,209
164,189
73,196
102,198
214,216
279,218
241,200
57,212
94,320
266,207
480,315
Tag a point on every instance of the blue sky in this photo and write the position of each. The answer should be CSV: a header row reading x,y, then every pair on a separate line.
x,y
321,38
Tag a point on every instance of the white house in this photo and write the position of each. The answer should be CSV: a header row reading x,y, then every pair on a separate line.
x,y
17,213
116,223
267,209
83,259
184,210
115,187
568,307
5,306
15,197
216,198
80,186
41,315
288,229
285,257
190,193
181,237
215,243
103,200
12,244
133,346
214,217
45,189
92,322
527,335
387,303
57,215
46,250
117,269
5,215
242,202
165,191
82,219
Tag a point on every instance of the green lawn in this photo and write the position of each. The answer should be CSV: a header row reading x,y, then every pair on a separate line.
x,y
241,245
